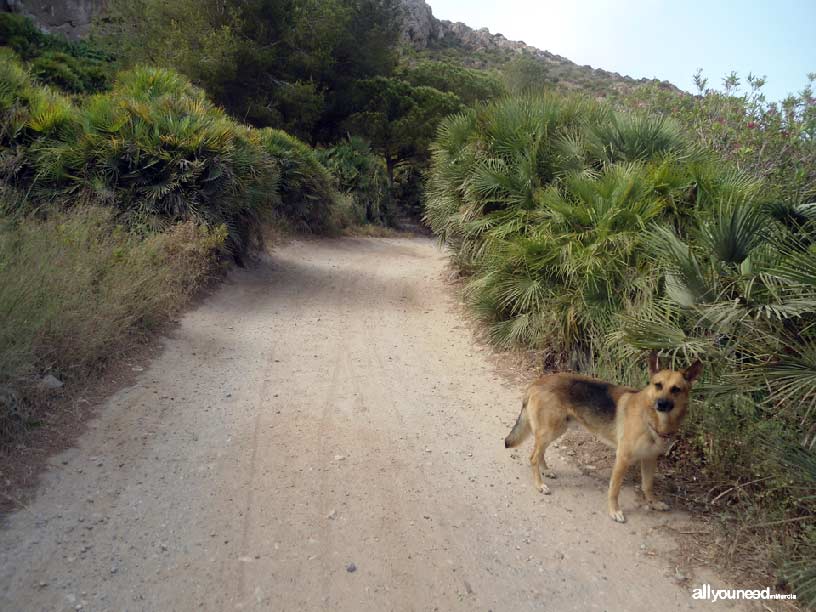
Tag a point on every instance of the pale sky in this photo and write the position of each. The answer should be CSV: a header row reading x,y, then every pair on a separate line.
x,y
658,38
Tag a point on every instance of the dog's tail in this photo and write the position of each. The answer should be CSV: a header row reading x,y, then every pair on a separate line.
x,y
520,430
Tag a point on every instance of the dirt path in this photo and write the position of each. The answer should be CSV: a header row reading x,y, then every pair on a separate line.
x,y
326,408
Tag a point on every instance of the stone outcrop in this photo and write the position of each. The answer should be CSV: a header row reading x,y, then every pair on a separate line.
x,y
422,30
69,17
419,26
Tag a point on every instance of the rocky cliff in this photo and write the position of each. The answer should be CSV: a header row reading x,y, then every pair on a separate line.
x,y
423,31
69,17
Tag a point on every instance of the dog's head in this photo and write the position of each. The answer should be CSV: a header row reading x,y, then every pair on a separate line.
x,y
668,394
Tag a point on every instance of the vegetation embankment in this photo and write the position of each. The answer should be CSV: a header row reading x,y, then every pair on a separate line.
x,y
593,235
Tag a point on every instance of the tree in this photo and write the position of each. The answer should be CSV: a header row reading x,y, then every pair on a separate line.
x,y
470,85
399,119
525,74
281,63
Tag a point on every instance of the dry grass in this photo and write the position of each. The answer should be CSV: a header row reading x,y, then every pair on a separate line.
x,y
76,288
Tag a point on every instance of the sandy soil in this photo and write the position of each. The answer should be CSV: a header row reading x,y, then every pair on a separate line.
x,y
324,433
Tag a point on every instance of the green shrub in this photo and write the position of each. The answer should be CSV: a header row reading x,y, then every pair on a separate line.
x,y
68,73
32,120
774,141
306,189
408,189
73,66
634,137
470,86
20,33
157,150
363,176
559,283
15,94
497,159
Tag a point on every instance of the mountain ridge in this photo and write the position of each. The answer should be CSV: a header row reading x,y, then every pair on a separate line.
x,y
422,31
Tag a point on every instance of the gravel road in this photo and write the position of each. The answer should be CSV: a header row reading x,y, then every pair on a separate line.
x,y
323,433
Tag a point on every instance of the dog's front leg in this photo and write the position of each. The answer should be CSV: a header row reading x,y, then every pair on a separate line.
x,y
621,463
647,472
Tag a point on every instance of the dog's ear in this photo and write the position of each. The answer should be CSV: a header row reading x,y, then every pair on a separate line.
x,y
693,371
654,363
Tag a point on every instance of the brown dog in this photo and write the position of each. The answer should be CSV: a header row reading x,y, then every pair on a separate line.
x,y
638,424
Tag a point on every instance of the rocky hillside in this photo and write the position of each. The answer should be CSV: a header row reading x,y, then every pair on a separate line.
x,y
69,17
480,49
423,32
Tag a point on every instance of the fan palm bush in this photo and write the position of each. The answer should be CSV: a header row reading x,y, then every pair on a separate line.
x,y
576,263
14,81
27,110
156,149
744,287
546,200
31,117
497,158
551,204
306,190
160,150
634,137
362,175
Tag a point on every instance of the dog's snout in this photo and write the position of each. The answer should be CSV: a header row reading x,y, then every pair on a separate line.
x,y
664,405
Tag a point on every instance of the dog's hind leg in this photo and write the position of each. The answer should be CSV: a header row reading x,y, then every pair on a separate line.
x,y
555,430
536,458
552,430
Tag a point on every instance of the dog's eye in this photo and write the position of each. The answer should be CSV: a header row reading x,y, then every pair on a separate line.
x,y
659,386
675,389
